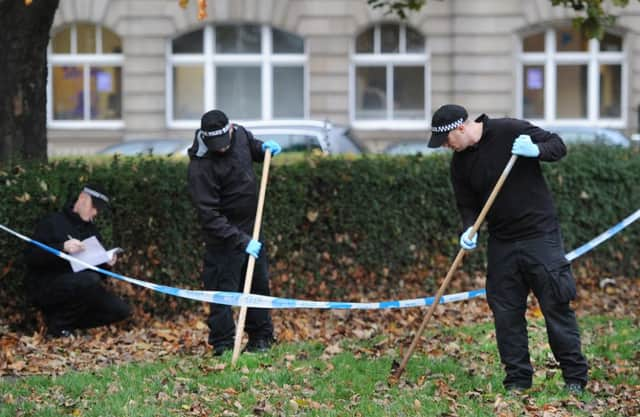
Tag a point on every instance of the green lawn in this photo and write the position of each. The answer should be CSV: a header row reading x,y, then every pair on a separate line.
x,y
463,378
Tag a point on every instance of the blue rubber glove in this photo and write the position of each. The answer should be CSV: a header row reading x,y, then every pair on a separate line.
x,y
253,248
466,243
523,146
273,146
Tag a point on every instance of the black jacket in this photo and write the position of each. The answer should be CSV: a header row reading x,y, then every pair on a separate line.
x,y
53,231
224,189
524,206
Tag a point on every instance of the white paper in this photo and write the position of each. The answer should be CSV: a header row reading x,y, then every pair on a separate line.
x,y
93,254
113,252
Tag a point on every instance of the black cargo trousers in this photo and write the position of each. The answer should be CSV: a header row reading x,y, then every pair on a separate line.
x,y
225,270
538,264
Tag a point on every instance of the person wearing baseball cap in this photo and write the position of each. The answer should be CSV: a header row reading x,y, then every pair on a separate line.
x,y
444,120
215,131
525,249
224,190
71,300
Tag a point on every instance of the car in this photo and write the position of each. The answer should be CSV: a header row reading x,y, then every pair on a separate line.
x,y
412,147
295,136
164,147
590,135
302,136
306,135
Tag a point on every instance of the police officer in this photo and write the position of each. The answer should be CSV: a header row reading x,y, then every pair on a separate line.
x,y
71,300
223,188
525,244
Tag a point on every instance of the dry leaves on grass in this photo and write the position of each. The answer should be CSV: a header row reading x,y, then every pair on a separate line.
x,y
146,338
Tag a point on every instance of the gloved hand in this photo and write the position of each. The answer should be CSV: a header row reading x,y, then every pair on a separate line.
x,y
466,243
253,248
523,146
273,146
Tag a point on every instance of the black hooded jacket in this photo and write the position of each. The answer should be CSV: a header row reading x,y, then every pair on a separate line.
x,y
53,231
224,189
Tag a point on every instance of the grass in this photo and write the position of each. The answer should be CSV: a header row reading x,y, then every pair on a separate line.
x,y
308,379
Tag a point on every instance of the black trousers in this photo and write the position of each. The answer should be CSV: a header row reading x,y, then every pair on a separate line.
x,y
78,301
539,264
225,270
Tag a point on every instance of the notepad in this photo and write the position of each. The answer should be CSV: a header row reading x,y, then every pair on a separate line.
x,y
93,254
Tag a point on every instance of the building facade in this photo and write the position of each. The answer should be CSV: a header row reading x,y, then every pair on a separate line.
x,y
130,69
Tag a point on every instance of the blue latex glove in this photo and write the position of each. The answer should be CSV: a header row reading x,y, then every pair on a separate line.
x,y
253,248
466,243
523,146
273,146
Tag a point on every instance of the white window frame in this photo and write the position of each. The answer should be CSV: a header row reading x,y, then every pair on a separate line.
x,y
85,61
266,60
389,61
550,59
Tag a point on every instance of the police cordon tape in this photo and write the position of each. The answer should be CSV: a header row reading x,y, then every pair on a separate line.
x,y
262,301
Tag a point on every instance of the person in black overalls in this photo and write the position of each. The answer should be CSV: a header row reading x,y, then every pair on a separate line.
x,y
224,190
71,300
526,252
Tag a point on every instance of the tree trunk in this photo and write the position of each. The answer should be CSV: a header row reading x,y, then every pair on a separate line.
x,y
23,78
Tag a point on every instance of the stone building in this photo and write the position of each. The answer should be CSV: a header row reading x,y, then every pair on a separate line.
x,y
127,69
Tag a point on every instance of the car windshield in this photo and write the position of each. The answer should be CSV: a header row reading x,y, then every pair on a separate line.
x,y
594,136
166,147
341,141
292,142
412,148
133,148
306,136
146,147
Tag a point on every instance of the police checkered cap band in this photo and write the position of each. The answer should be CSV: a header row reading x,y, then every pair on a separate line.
x,y
216,132
94,193
448,127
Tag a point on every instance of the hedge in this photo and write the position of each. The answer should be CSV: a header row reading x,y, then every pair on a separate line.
x,y
327,222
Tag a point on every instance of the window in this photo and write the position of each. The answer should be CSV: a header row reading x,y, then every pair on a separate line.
x,y
389,78
85,77
565,77
249,71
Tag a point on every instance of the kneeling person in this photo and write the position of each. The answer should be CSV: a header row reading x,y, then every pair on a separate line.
x,y
71,300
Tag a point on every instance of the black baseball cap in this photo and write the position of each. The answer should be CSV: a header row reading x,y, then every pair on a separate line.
x,y
214,130
99,197
444,120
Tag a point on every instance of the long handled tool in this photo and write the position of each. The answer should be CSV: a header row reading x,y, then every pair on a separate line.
x,y
252,261
398,371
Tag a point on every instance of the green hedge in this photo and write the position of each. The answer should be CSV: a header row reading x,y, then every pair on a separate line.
x,y
326,220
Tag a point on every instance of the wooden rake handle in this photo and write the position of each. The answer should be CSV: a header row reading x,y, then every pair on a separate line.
x,y
248,278
454,266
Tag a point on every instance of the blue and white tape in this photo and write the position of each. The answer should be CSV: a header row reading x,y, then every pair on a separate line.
x,y
261,301
604,236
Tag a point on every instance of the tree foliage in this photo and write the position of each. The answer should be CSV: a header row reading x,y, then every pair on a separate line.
x,y
399,8
202,8
593,18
